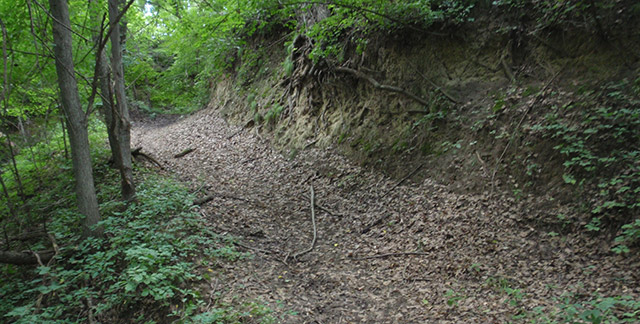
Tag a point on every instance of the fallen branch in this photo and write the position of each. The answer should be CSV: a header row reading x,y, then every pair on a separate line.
x,y
26,257
387,255
315,229
183,153
377,85
137,152
324,209
236,133
403,180
210,197
379,220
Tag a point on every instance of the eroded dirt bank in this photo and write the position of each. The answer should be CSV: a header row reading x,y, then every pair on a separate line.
x,y
467,249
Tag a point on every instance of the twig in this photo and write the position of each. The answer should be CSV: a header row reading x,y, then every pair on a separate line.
x,y
484,165
310,143
524,115
204,184
210,197
185,152
379,220
377,85
386,255
315,229
402,180
249,160
236,133
324,209
55,246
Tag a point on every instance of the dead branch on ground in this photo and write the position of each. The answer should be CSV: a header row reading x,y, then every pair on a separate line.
x,y
402,180
387,255
210,197
324,209
26,257
183,153
238,132
137,152
379,220
315,229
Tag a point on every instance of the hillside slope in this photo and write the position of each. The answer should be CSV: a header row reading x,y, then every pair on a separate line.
x,y
546,115
386,252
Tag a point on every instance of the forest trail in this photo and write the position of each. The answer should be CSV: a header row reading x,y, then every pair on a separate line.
x,y
478,261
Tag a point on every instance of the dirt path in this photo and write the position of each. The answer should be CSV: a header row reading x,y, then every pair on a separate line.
x,y
478,262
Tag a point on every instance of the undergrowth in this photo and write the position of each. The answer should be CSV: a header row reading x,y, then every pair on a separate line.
x,y
146,268
598,137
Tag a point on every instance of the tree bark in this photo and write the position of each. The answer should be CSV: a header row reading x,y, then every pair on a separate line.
x,y
120,124
103,74
75,117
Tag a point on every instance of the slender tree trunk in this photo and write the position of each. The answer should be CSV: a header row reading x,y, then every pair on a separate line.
x,y
6,195
4,98
76,118
120,112
106,91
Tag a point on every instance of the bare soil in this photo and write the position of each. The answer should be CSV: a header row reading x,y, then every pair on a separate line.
x,y
433,256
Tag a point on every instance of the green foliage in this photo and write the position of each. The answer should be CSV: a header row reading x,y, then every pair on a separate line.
x,y
147,257
584,15
352,21
147,265
598,137
453,297
596,310
271,117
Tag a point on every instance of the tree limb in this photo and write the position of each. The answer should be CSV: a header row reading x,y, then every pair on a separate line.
x,y
26,257
138,152
315,229
386,255
184,152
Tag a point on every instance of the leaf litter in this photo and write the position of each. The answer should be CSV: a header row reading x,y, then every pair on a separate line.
x,y
432,255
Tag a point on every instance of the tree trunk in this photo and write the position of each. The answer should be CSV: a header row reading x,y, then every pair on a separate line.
x,y
104,83
76,118
5,100
120,112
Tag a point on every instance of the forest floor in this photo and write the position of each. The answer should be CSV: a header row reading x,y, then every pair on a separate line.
x,y
385,253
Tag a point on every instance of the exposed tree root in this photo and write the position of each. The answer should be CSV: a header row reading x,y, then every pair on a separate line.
x,y
377,85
